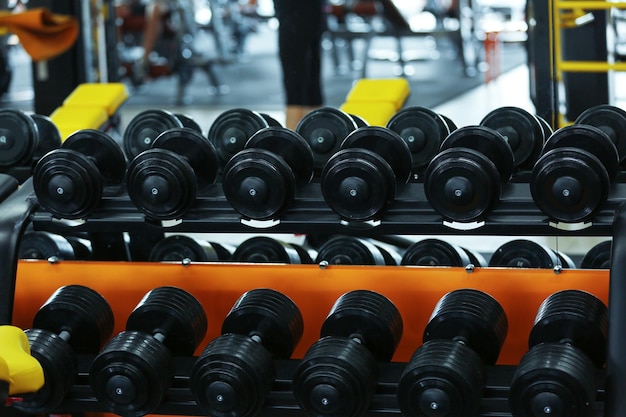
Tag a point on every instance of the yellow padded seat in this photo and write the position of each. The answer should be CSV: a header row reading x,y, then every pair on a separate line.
x,y
109,96
375,113
391,90
23,372
70,119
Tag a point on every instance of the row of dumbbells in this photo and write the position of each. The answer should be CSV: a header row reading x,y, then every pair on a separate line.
x,y
332,250
260,164
338,375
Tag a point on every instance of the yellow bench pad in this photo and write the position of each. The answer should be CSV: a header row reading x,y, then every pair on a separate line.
x,y
20,369
368,90
70,119
109,96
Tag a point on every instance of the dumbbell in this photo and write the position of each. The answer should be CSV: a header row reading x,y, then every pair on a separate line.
x,y
69,182
235,372
24,138
359,181
423,130
232,128
348,250
145,126
188,122
523,253
570,182
437,252
164,181
611,120
74,320
46,245
264,249
567,343
183,248
325,129
522,131
132,373
598,257
338,375
446,375
464,180
260,181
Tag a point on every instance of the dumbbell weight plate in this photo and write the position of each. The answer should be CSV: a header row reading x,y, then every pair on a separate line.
x,y
522,131
231,130
174,312
44,245
270,315
423,130
569,185
370,316
179,247
49,136
553,379
19,137
270,120
462,184
258,184
161,184
545,126
449,122
360,122
263,249
358,184
435,252
195,149
574,317
290,146
188,122
325,129
80,310
385,143
521,253
598,257
343,250
488,142
611,120
67,184
101,148
472,317
144,128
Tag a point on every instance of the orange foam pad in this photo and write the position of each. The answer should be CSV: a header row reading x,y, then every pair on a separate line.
x,y
414,290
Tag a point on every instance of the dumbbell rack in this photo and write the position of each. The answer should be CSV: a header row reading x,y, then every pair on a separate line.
x,y
415,290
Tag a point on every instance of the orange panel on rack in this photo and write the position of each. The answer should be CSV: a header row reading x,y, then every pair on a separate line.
x,y
415,290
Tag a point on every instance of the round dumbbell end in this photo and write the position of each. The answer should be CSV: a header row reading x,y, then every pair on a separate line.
x,y
345,250
121,389
435,252
523,253
368,316
598,257
144,128
19,137
231,130
264,249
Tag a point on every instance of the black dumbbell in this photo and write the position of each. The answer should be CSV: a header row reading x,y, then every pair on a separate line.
x,y
260,181
571,180
144,128
235,372
188,122
339,373
557,376
348,250
264,249
24,138
611,120
74,320
325,129
522,131
70,181
135,369
423,130
437,252
181,248
446,375
164,181
232,128
598,257
523,253
359,181
46,245
464,180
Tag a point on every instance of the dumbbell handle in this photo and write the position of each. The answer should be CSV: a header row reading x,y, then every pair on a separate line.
x,y
159,336
65,335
